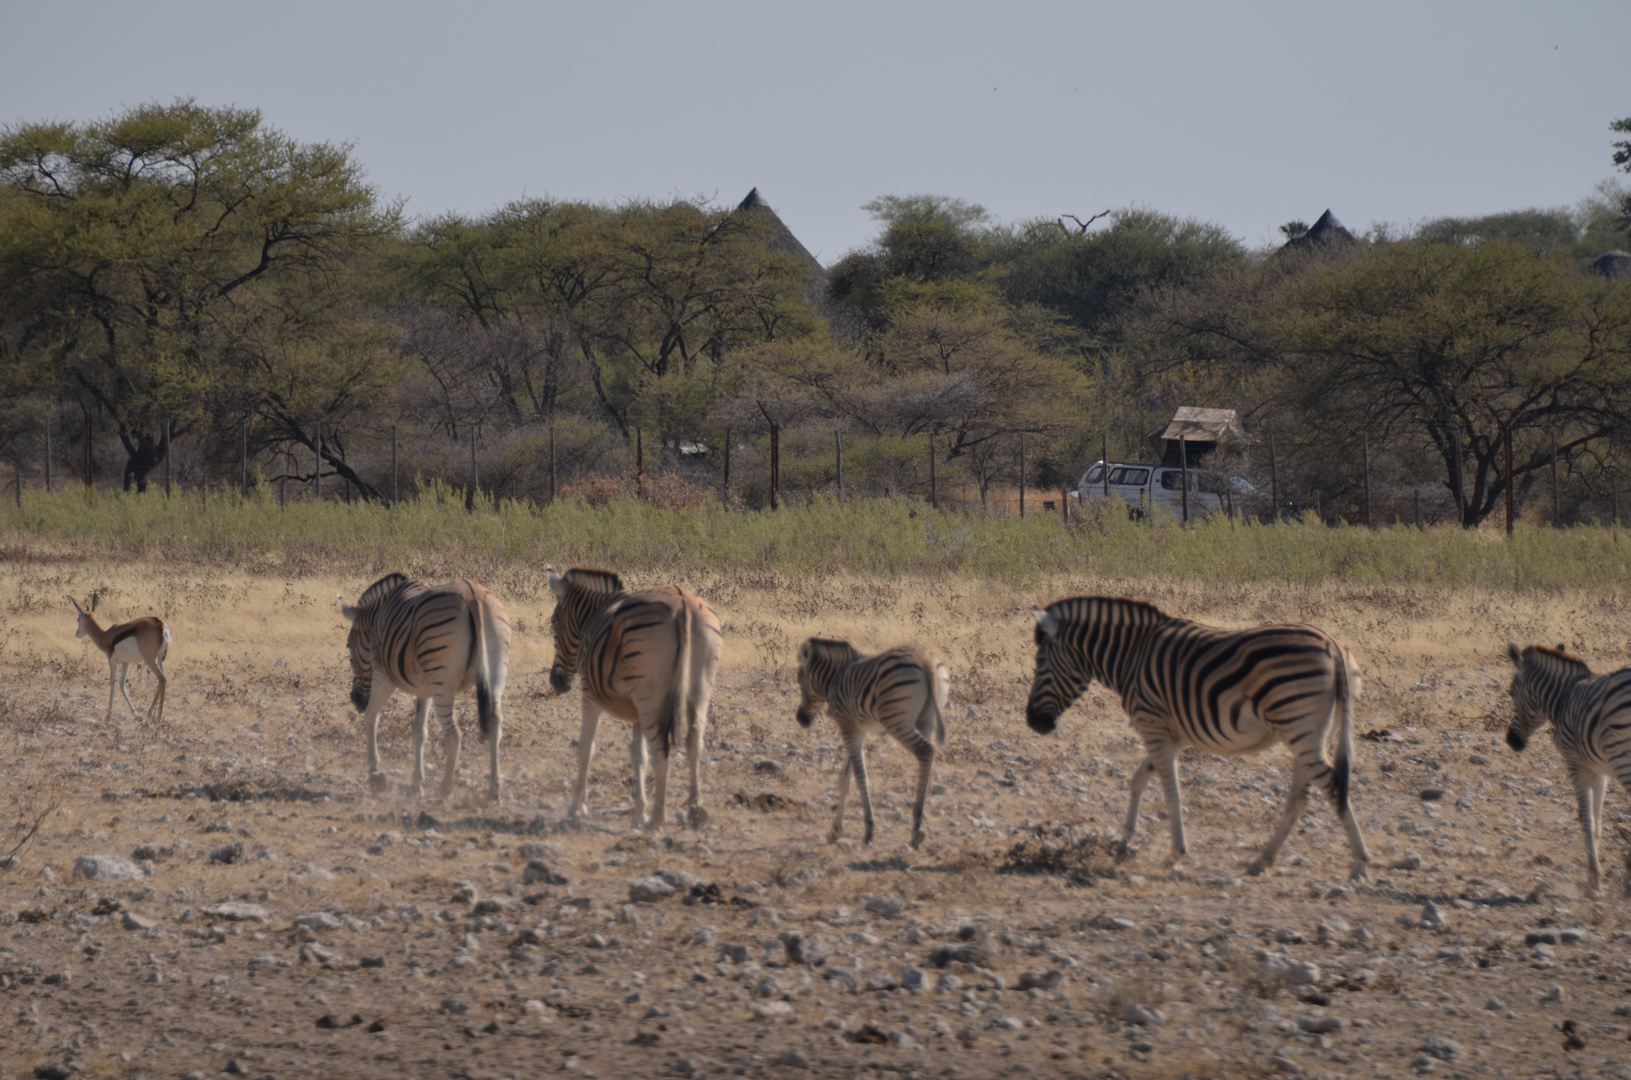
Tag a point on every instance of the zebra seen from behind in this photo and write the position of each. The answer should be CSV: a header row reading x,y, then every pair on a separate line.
x,y
433,643
901,691
646,657
1225,691
1591,727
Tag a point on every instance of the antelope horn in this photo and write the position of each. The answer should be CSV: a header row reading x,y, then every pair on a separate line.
x,y
77,608
95,596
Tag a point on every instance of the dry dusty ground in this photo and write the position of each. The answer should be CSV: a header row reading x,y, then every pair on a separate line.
x,y
401,937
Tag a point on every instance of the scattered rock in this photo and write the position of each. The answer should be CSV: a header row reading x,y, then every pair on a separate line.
x,y
1142,1015
650,889
1432,794
1553,993
228,853
887,906
1303,973
1574,935
768,1010
902,1041
1286,936
1441,1047
106,868
794,1059
539,872
319,920
233,911
372,962
1494,1005
948,984
802,948
912,979
1540,937
1408,861
1319,1025
1334,928
55,1070
455,1006
1041,980
132,921
768,987
316,954
1432,917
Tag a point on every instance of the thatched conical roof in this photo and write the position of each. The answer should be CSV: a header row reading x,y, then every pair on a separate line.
x,y
1327,236
1613,264
781,237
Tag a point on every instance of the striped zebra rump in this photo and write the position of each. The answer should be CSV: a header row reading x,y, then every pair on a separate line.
x,y
646,657
433,643
1591,728
1225,691
900,692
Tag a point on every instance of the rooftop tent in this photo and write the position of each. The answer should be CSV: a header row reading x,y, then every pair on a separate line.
x,y
1199,431
1326,237
1613,264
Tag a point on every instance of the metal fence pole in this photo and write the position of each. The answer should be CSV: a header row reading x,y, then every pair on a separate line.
x,y
934,480
393,462
1274,480
1557,497
318,480
48,454
1183,462
552,463
1022,474
167,458
475,473
1365,451
89,479
639,459
838,444
725,483
1507,462
283,480
1105,472
775,465
1460,482
17,466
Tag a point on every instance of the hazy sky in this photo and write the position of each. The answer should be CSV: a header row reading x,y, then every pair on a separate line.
x,y
1248,114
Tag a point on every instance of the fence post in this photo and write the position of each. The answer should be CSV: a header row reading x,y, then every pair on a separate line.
x,y
475,474
1104,447
1274,480
838,442
1022,475
1557,497
317,492
1365,450
48,453
725,485
393,461
283,480
166,457
89,479
243,461
1460,482
1064,504
934,484
639,460
17,466
1416,497
775,465
1183,462
1507,462
552,464
1616,508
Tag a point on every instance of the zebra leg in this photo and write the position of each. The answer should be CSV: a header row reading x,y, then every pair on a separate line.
x,y
495,784
1296,800
1135,790
695,814
1168,768
863,787
421,728
1585,795
659,795
452,742
378,696
837,829
586,750
924,751
637,758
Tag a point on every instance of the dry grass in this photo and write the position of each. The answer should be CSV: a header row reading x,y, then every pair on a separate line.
x,y
259,746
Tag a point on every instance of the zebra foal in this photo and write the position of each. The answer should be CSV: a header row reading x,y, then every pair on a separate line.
x,y
1591,727
646,657
433,643
901,691
1225,691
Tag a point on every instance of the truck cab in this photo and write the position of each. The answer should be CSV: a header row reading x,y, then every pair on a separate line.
x,y
1161,487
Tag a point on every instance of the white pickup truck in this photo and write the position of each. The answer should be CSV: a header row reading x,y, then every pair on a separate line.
x,y
1147,487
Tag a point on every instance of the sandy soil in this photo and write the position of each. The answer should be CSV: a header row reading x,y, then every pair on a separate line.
x,y
394,936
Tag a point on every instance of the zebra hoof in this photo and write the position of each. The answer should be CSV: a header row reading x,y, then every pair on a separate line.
x,y
379,783
698,817
1254,869
833,835
918,838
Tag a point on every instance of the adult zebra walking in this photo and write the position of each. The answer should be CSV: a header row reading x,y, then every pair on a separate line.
x,y
646,657
433,643
1591,728
1227,691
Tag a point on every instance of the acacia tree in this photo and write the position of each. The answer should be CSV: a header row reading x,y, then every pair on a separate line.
x,y
133,246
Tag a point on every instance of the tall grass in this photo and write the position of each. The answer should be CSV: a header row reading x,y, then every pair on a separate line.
x,y
878,537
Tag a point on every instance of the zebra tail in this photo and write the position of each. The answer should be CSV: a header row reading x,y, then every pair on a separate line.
x,y
941,692
485,713
679,689
1347,689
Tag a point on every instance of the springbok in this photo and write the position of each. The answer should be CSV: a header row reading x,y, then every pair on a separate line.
x,y
146,639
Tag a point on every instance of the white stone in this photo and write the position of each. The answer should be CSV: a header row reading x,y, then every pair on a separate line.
x,y
107,868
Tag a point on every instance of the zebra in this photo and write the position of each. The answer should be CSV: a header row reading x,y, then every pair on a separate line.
x,y
1226,691
1591,727
646,657
433,643
901,691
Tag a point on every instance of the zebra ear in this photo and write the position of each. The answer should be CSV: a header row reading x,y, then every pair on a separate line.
x,y
557,584
1047,621
346,609
1516,654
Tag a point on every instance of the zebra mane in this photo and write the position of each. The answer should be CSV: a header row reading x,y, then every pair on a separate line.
x,y
379,590
591,580
831,649
1138,611
1556,660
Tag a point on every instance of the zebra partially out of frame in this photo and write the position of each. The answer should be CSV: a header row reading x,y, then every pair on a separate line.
x,y
646,657
1226,691
434,644
1591,727
901,691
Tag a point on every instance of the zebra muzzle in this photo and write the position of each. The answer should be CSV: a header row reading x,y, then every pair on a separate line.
x,y
560,681
359,697
805,717
1516,739
1041,722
